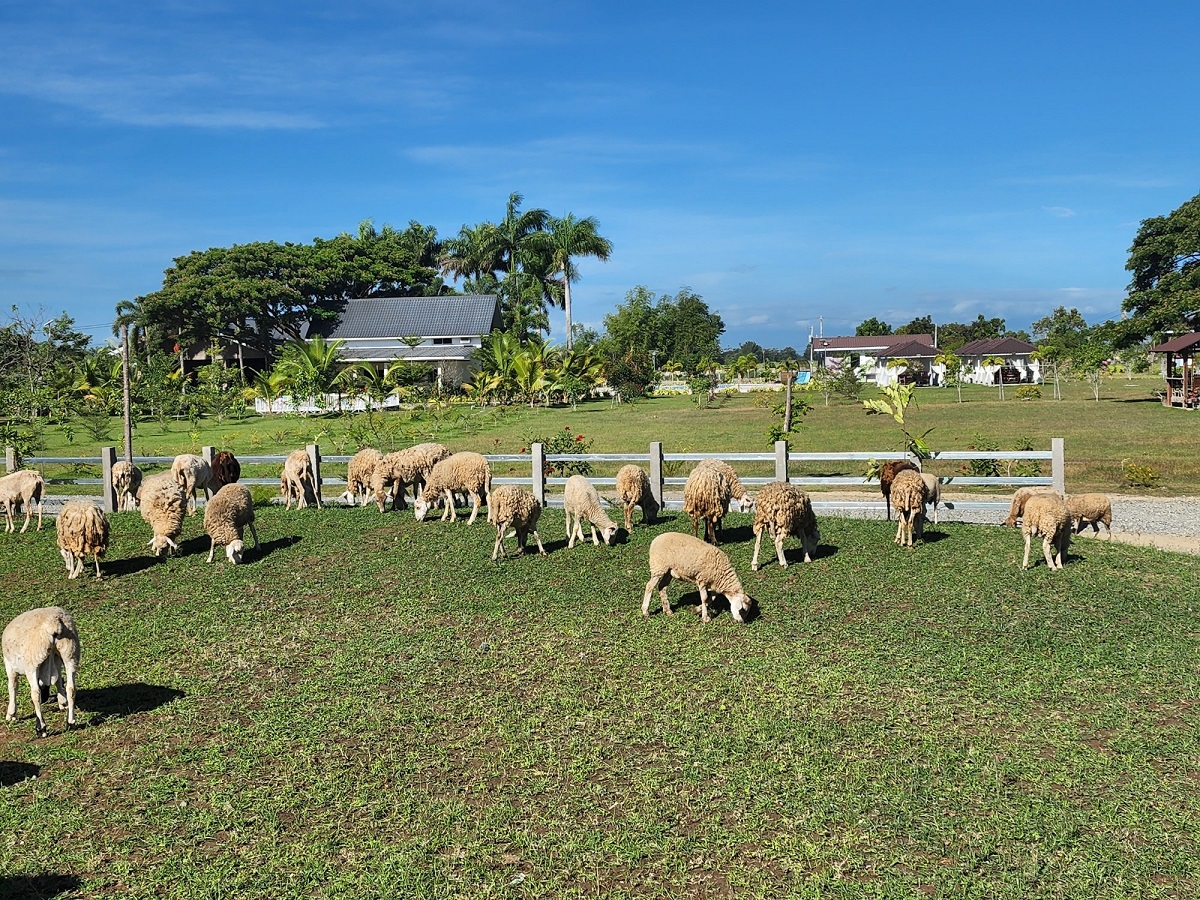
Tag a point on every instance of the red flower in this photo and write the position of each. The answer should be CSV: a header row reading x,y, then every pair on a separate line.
x,y
579,438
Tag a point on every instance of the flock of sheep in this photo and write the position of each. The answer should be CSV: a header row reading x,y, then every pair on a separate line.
x,y
43,645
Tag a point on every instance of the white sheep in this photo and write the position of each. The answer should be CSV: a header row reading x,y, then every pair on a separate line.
x,y
675,555
126,479
582,503
194,474
1090,509
411,466
226,516
467,472
1047,515
43,645
1020,497
27,487
783,509
908,500
163,503
298,480
633,489
708,493
358,476
510,505
933,493
82,529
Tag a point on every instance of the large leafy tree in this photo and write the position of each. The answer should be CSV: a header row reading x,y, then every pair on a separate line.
x,y
872,327
1164,292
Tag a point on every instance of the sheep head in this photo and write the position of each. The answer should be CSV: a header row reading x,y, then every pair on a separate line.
x,y
740,605
234,551
421,506
160,543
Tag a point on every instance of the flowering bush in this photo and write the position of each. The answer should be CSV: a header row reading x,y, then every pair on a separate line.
x,y
563,442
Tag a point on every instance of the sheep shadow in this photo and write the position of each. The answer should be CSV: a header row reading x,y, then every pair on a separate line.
x,y
129,566
123,700
16,772
266,548
718,605
38,887
738,535
795,555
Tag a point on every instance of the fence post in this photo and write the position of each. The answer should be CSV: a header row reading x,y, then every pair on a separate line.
x,y
207,453
781,461
656,472
10,460
314,456
108,457
1058,465
537,459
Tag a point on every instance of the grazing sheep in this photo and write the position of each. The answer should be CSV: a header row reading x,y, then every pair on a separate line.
x,y
675,555
162,503
582,503
933,493
462,472
708,493
1019,498
783,509
23,487
43,645
908,497
298,480
1047,515
508,505
887,475
225,469
358,476
194,474
126,480
410,466
633,489
226,516
1090,509
82,529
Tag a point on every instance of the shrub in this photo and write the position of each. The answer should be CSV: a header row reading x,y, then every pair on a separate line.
x,y
1029,392
982,468
1137,474
563,442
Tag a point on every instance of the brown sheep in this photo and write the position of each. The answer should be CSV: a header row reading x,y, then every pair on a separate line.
x,y
225,469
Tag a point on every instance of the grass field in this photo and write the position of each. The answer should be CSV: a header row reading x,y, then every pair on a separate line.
x,y
372,708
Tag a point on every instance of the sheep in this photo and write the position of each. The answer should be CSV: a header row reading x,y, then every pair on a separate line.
x,y
22,487
126,479
225,469
1090,509
675,555
508,505
82,529
633,489
933,493
404,467
1047,515
298,480
464,471
358,476
1019,498
887,475
43,645
162,503
194,474
708,493
582,503
226,516
908,496
783,509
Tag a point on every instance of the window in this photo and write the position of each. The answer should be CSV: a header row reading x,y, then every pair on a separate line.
x,y
442,340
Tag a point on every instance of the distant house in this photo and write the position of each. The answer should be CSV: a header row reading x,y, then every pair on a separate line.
x,y
1179,369
1017,365
918,366
873,353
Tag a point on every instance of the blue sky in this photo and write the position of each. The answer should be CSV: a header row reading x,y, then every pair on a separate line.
x,y
786,161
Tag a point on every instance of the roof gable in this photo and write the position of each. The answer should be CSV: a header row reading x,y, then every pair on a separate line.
x,y
1007,346
1178,343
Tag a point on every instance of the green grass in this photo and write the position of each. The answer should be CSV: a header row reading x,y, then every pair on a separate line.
x,y
371,707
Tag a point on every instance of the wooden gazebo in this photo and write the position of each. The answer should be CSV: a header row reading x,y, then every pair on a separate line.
x,y
1180,370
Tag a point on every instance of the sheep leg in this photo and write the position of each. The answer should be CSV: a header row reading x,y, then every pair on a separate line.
x,y
66,555
899,539
629,517
1025,561
497,548
541,549
474,507
28,514
658,582
595,539
779,550
704,616
754,560
212,546
1046,553
12,691
35,694
65,668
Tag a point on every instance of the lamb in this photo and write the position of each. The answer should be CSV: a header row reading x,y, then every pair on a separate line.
x,y
1047,515
511,505
43,645
1090,509
582,503
887,476
465,471
82,529
225,469
358,476
908,496
675,555
194,474
404,467
23,487
163,503
933,493
226,516
1019,498
633,489
126,480
783,509
708,493
298,480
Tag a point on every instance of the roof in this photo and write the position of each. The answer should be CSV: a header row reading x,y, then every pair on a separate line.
x,y
467,315
866,342
1008,346
911,350
1178,343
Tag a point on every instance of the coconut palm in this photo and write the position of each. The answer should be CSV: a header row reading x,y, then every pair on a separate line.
x,y
570,238
314,367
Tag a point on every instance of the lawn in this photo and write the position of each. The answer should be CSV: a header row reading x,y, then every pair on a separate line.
x,y
372,708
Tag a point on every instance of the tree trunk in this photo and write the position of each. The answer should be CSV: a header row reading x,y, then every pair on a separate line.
x,y
787,403
567,305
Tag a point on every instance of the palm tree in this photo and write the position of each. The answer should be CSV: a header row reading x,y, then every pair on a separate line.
x,y
267,386
571,237
314,367
504,245
468,255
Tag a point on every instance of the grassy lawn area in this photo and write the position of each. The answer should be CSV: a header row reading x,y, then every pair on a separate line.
x,y
372,708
